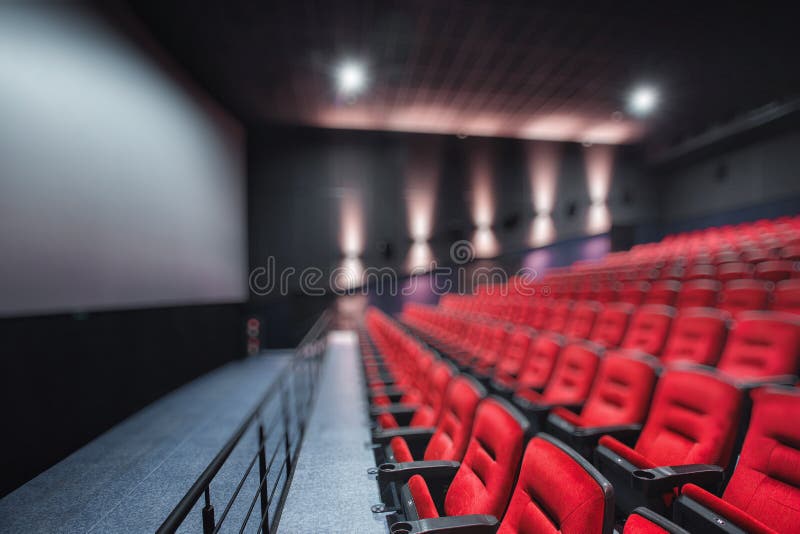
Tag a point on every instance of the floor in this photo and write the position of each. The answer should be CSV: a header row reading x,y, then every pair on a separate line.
x,y
128,479
331,491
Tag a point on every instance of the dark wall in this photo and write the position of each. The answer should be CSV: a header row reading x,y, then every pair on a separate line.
x,y
759,179
64,379
303,181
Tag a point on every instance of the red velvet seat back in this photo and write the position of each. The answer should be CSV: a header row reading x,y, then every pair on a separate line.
x,y
786,297
557,493
449,440
698,294
734,271
621,391
693,419
438,380
766,482
762,344
484,481
648,329
664,292
515,353
697,335
633,292
582,320
559,316
744,295
775,271
574,373
611,324
540,362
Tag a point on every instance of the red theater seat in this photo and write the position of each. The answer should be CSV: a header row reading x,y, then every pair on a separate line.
x,y
582,320
693,419
519,346
699,294
763,494
648,329
744,295
664,292
448,440
611,324
558,491
482,483
786,297
734,271
620,396
539,364
775,271
697,336
762,345
633,292
569,386
700,272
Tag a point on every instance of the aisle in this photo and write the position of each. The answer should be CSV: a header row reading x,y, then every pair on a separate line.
x,y
331,491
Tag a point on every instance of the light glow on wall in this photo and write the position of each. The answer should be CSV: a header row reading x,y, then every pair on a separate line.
x,y
349,274
421,183
599,162
351,237
482,206
544,162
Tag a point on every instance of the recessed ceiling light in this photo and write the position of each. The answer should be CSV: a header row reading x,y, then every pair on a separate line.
x,y
643,100
351,78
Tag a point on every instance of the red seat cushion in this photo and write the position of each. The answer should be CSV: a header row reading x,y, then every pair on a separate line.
x,y
423,501
762,344
730,512
637,524
554,494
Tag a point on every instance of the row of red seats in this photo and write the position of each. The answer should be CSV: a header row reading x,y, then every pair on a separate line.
x,y
693,419
757,345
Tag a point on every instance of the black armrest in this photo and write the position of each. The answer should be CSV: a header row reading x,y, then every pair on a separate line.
x,y
660,480
403,413
502,390
409,433
537,413
584,439
390,391
781,380
402,471
460,524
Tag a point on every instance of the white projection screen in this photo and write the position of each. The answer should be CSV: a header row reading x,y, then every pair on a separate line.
x,y
120,187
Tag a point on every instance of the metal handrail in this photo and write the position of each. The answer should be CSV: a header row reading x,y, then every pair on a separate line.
x,y
307,350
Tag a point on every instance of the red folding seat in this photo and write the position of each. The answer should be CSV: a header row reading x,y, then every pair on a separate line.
x,y
480,484
620,397
762,345
700,271
448,440
607,292
697,335
791,252
663,292
540,314
569,386
538,365
739,296
734,271
430,400
698,294
693,419
516,352
633,292
611,324
648,329
727,256
559,315
763,494
645,521
582,320
558,491
675,271
775,271
786,297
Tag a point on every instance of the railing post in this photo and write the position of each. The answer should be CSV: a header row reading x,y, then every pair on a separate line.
x,y
287,444
208,514
262,475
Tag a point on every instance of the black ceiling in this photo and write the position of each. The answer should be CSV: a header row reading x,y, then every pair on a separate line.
x,y
548,69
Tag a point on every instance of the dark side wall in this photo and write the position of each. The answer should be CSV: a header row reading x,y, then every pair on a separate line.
x,y
302,181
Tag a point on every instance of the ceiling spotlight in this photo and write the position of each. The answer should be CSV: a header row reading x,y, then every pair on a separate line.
x,y
643,100
351,78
